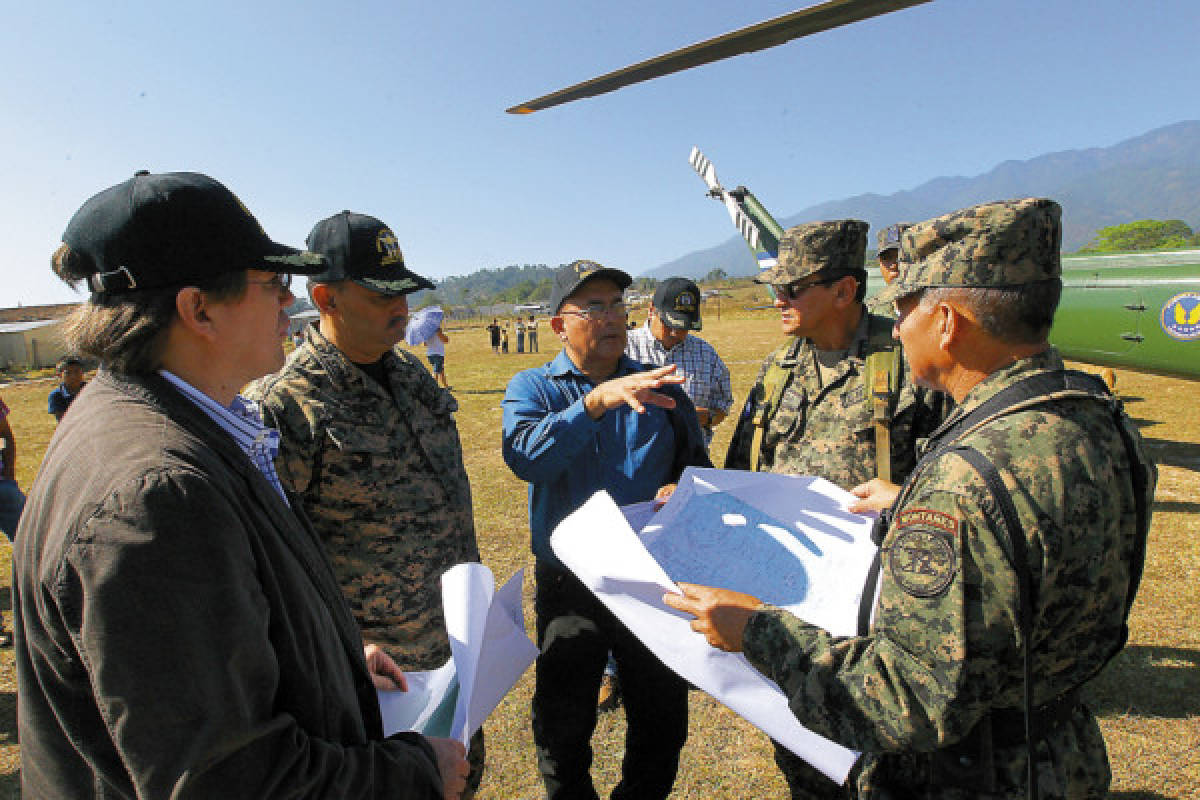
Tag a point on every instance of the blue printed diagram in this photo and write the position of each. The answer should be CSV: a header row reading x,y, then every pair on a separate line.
x,y
785,539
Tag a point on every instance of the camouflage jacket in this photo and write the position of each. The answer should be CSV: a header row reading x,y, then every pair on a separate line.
x,y
944,649
827,430
382,479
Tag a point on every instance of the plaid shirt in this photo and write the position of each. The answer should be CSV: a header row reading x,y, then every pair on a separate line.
x,y
706,378
242,422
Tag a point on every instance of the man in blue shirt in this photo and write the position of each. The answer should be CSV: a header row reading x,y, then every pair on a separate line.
x,y
593,419
70,375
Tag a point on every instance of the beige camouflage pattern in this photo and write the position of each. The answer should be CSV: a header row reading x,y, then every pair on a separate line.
x,y
880,306
1001,244
944,647
827,430
809,248
383,482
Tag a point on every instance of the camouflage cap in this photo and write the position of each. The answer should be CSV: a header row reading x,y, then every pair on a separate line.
x,y
889,237
806,249
1003,244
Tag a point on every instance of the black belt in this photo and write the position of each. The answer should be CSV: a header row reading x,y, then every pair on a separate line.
x,y
1008,724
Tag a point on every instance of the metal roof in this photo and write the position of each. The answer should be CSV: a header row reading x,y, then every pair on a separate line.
x,y
18,327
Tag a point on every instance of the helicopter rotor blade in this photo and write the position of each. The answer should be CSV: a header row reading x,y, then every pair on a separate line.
x,y
806,21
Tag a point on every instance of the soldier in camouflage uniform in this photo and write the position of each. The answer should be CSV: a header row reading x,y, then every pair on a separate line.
x,y
823,422
368,440
888,255
813,410
1010,559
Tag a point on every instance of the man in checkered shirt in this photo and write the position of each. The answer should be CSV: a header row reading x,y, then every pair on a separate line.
x,y
665,339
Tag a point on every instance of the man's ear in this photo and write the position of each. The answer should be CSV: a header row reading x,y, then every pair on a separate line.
x,y
845,289
558,325
953,326
323,297
193,306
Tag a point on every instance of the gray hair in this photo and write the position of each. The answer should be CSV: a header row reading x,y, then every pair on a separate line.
x,y
1017,314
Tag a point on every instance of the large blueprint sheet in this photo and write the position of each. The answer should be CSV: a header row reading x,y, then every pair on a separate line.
x,y
787,540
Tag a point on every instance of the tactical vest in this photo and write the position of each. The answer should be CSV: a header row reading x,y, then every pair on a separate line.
x,y
881,381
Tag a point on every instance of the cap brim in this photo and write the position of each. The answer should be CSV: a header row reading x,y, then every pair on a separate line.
x,y
681,322
406,285
281,258
895,291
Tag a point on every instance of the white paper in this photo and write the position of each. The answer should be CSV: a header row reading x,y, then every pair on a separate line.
x,y
489,653
786,539
598,544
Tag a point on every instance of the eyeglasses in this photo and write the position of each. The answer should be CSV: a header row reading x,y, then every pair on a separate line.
x,y
790,291
282,281
598,311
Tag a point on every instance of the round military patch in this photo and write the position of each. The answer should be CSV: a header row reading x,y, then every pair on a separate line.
x,y
923,561
1180,317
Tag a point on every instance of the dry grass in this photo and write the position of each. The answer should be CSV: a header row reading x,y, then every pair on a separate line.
x,y
1148,699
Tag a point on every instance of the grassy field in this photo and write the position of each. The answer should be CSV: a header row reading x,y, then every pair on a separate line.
x,y
1148,698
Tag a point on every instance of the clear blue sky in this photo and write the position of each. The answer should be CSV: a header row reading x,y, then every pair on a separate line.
x,y
397,109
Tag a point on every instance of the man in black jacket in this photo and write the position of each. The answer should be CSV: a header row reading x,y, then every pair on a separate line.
x,y
179,630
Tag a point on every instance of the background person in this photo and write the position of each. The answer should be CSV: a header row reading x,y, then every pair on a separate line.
x,y
531,332
494,335
12,501
179,630
71,382
594,419
1010,559
369,445
888,256
520,335
667,338
435,351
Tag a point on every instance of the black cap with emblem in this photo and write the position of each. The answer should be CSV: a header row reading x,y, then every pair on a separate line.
x,y
677,301
362,249
158,230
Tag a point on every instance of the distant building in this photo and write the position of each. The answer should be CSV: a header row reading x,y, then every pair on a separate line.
x,y
33,345
299,320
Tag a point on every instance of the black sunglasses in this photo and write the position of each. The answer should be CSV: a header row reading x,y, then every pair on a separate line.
x,y
790,291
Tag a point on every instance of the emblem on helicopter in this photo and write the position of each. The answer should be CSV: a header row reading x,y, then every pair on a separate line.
x,y
1181,316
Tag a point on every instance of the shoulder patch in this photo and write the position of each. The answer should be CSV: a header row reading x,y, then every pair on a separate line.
x,y
923,561
916,517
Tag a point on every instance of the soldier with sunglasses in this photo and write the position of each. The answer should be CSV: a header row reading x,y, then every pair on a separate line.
x,y
836,400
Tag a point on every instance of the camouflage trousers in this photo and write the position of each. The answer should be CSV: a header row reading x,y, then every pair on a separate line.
x,y
575,634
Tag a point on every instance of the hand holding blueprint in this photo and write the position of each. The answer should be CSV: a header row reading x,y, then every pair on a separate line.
x,y
785,539
489,653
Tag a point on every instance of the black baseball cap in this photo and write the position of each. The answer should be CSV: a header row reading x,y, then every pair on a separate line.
x,y
362,249
677,301
570,277
158,230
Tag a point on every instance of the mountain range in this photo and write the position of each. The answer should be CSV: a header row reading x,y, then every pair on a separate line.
x,y
1152,176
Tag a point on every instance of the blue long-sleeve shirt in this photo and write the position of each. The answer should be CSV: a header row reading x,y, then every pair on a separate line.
x,y
566,456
